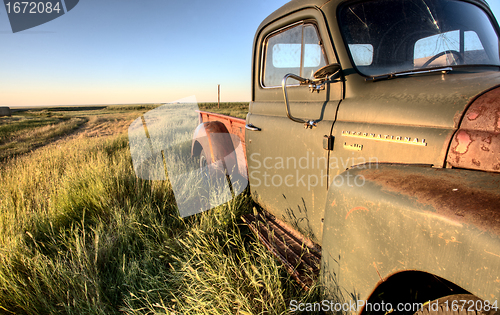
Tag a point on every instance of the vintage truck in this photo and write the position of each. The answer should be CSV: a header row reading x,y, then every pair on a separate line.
x,y
373,147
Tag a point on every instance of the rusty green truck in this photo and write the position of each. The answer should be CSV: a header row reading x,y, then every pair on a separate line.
x,y
373,147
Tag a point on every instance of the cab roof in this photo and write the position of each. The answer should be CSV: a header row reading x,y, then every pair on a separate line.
x,y
296,5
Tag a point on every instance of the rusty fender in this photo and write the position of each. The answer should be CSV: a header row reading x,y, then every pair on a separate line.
x,y
445,222
213,138
476,145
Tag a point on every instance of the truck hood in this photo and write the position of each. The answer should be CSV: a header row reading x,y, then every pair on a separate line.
x,y
433,100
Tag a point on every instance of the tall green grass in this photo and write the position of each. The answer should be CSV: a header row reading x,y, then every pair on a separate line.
x,y
81,234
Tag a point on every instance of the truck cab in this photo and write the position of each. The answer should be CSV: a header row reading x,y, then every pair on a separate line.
x,y
373,132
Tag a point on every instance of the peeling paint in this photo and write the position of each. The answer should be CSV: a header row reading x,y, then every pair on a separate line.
x,y
472,116
464,141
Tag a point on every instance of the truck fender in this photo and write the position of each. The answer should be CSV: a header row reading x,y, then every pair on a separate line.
x,y
213,138
401,219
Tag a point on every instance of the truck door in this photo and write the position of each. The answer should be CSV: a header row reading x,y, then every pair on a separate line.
x,y
287,162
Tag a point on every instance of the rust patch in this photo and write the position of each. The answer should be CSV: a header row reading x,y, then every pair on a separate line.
x,y
484,113
461,196
474,149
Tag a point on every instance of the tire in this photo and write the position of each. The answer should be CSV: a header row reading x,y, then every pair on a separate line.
x,y
204,171
203,160
458,304
217,176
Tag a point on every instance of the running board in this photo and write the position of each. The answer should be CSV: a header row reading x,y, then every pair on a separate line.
x,y
300,256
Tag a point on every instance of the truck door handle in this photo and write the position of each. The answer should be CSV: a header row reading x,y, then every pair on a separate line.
x,y
252,127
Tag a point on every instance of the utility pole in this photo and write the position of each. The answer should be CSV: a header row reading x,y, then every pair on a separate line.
x,y
218,96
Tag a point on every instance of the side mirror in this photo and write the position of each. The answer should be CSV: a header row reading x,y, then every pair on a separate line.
x,y
327,71
323,75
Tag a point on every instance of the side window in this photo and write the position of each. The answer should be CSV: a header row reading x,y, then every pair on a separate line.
x,y
295,50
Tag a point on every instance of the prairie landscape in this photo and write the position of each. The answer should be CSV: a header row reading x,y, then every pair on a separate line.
x,y
80,233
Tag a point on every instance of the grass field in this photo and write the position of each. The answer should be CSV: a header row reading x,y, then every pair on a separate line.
x,y
231,109
81,234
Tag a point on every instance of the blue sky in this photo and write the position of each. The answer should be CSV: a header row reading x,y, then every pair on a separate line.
x,y
123,52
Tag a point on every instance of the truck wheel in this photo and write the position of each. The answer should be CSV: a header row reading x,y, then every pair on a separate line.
x,y
458,304
203,160
204,167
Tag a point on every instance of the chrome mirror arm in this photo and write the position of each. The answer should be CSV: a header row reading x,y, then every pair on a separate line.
x,y
308,124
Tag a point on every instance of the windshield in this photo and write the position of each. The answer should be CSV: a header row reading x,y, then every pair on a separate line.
x,y
388,36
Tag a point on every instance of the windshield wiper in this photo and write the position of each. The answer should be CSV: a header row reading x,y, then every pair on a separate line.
x,y
408,72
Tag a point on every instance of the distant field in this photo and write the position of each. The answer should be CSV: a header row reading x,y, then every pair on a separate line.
x,y
23,132
27,130
81,234
239,110
30,129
